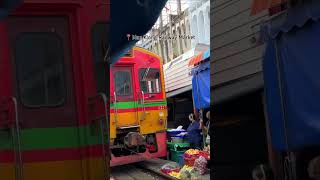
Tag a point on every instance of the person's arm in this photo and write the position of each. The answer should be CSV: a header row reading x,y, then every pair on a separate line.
x,y
203,127
201,124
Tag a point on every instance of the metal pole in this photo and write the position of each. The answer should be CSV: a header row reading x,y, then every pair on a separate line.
x,y
289,159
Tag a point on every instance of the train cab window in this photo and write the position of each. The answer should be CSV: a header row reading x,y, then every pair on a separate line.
x,y
123,85
100,48
40,69
150,80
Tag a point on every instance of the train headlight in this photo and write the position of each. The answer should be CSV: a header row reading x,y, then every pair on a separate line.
x,y
161,114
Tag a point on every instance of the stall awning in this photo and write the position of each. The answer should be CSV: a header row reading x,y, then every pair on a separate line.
x,y
201,56
291,76
297,17
201,84
258,6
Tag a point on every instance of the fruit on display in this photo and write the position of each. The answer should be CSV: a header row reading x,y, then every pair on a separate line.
x,y
200,165
192,152
170,167
185,172
195,175
204,154
175,174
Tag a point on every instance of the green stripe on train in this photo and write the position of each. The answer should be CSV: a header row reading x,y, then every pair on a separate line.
x,y
133,104
49,138
65,137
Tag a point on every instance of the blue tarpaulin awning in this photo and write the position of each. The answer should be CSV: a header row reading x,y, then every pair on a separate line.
x,y
201,82
131,17
297,17
292,83
6,6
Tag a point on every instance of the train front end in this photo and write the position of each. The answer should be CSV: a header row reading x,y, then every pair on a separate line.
x,y
138,118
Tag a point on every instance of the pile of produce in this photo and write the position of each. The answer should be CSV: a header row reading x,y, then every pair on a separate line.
x,y
197,153
185,172
170,167
175,174
192,154
189,173
204,154
200,165
195,165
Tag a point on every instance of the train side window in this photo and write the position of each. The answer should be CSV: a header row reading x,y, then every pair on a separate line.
x,y
99,42
40,69
150,80
123,85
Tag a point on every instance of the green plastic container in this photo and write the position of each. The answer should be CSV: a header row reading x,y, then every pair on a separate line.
x,y
177,146
175,155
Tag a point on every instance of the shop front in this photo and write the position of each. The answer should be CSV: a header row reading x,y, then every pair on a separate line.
x,y
187,147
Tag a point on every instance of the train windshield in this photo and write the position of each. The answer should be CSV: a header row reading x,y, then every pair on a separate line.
x,y
123,83
150,80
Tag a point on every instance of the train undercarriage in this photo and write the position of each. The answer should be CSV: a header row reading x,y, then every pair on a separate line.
x,y
131,146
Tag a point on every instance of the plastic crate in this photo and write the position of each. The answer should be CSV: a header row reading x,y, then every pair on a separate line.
x,y
173,133
177,140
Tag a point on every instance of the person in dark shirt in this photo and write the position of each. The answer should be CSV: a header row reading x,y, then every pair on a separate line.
x,y
182,122
194,133
205,128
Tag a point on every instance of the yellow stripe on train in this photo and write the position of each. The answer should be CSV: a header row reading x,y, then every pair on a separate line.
x,y
155,121
56,170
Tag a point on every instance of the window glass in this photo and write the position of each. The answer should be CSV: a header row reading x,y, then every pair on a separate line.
x,y
123,84
40,69
99,48
150,80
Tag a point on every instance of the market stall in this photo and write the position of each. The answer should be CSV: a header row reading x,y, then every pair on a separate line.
x,y
193,166
201,90
201,80
185,163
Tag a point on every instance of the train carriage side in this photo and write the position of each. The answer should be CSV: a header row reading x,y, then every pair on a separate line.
x,y
50,52
138,116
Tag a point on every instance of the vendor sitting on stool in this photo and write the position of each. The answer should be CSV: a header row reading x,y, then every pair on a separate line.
x,y
194,133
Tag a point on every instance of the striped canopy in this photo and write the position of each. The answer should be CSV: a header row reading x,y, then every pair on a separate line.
x,y
201,56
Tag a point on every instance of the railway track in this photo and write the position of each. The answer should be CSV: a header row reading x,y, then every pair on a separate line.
x,y
146,170
135,172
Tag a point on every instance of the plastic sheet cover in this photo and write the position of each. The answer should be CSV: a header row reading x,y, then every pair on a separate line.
x,y
292,83
201,85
